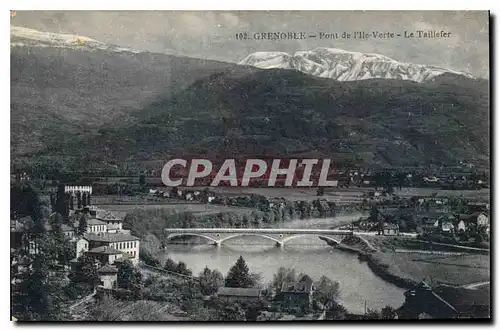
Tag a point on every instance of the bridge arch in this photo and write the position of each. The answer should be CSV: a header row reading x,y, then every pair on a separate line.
x,y
336,240
277,241
175,235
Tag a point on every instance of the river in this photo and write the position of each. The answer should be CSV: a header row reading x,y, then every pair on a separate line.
x,y
308,255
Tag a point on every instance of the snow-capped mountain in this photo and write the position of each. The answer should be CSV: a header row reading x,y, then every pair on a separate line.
x,y
346,66
21,36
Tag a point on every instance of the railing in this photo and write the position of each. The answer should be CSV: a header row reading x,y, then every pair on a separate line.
x,y
83,300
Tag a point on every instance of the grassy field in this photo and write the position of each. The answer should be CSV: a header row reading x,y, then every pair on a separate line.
x,y
454,270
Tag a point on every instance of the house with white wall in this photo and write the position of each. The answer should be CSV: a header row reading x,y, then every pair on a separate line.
x,y
123,242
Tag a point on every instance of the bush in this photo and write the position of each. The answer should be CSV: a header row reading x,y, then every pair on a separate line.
x,y
300,313
148,258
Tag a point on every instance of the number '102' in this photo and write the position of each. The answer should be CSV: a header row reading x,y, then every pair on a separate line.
x,y
242,36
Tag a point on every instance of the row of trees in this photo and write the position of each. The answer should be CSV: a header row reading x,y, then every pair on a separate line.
x,y
276,210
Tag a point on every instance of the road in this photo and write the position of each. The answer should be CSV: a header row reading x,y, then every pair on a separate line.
x,y
474,286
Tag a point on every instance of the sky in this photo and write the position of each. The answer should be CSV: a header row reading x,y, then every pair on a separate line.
x,y
211,35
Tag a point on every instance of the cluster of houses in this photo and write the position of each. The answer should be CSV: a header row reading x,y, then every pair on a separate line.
x,y
293,295
450,224
438,219
186,195
104,240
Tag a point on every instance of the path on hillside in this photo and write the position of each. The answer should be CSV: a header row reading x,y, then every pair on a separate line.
x,y
474,286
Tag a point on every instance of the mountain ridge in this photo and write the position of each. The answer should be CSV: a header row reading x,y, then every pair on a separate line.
x,y
283,112
94,106
345,65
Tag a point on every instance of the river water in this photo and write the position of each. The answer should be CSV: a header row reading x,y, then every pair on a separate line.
x,y
308,255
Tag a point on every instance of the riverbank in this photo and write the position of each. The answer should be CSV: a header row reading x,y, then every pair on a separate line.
x,y
406,269
356,246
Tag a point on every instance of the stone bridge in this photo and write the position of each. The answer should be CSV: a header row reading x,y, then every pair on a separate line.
x,y
279,236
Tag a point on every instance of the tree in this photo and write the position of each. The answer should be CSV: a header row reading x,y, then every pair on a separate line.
x,y
336,312
170,265
84,199
191,297
305,278
38,295
253,310
327,291
142,179
224,312
388,313
128,277
25,201
86,272
373,214
52,202
388,189
148,258
61,201
281,276
256,279
82,225
210,281
238,275
182,269
479,237
78,199
372,315
55,247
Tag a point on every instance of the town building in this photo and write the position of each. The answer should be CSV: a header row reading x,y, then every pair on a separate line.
x,y
123,242
297,295
475,207
391,229
77,188
23,230
108,276
482,219
447,226
96,226
105,254
238,294
445,302
461,226
113,221
429,226
81,246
